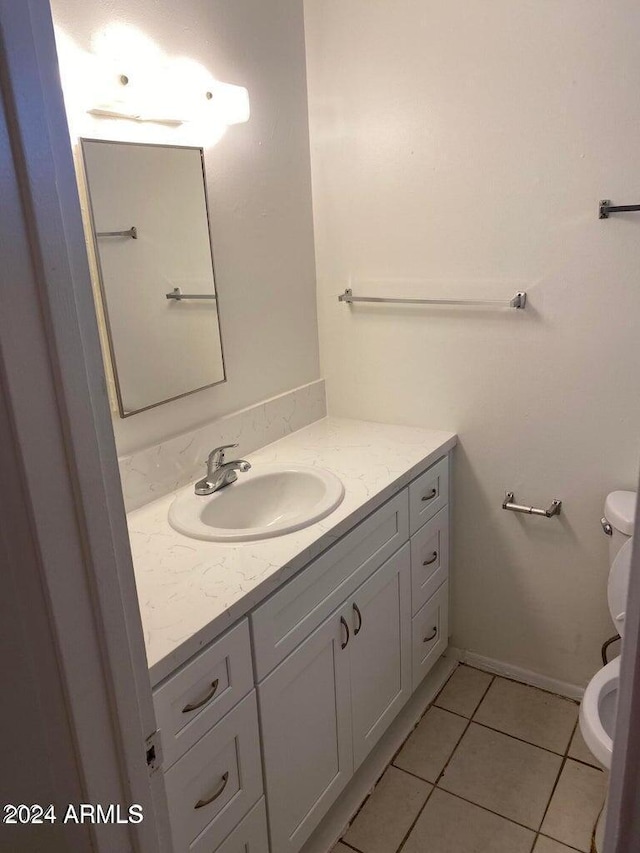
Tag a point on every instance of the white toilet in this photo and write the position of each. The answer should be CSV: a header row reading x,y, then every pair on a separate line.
x,y
599,703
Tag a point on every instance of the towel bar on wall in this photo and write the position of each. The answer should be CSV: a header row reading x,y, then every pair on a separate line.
x,y
518,301
178,295
606,208
130,232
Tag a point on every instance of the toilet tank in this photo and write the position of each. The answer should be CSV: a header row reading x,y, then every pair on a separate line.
x,y
620,512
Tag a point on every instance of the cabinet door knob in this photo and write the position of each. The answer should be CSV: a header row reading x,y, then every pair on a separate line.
x,y
343,622
434,632
431,495
431,560
223,784
188,708
356,610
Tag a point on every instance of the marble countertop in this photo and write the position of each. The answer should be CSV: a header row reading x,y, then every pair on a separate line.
x,y
190,591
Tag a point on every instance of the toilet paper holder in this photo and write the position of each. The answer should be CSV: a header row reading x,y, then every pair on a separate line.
x,y
509,503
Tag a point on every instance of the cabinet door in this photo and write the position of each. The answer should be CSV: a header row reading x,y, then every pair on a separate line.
x,y
380,651
305,718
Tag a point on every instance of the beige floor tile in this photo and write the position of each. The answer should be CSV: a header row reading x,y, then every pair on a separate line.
x,y
451,825
548,845
464,690
496,771
581,752
341,848
387,815
528,713
575,806
431,743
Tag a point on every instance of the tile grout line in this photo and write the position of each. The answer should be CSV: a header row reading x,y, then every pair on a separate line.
x,y
418,721
565,758
555,784
563,843
515,737
435,784
526,684
522,740
490,811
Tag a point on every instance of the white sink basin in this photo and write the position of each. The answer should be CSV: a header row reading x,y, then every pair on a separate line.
x,y
268,500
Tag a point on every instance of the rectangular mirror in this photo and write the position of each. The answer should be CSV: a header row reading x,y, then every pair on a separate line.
x,y
150,223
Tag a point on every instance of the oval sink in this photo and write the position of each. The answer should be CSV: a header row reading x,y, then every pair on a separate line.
x,y
268,500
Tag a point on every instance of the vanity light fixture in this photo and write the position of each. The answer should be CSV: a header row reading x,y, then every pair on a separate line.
x,y
223,103
127,76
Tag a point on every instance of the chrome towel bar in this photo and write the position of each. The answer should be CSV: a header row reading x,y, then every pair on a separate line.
x,y
130,232
606,208
178,295
509,504
518,301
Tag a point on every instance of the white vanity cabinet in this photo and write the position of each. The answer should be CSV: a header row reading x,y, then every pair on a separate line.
x,y
324,708
299,693
339,683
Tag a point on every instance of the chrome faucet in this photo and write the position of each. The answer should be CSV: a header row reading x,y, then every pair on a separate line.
x,y
219,472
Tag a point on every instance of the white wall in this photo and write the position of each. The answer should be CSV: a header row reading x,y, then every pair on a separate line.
x,y
259,194
463,147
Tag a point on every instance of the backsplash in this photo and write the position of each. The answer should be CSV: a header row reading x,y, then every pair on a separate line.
x,y
151,473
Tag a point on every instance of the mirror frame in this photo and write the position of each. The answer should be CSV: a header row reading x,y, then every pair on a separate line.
x,y
102,292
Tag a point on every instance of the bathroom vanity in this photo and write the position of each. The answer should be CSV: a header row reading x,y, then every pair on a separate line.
x,y
278,664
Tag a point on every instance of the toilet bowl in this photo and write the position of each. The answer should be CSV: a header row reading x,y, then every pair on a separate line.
x,y
599,704
598,712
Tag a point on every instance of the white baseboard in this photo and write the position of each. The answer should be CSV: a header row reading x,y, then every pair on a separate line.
x,y
344,809
517,673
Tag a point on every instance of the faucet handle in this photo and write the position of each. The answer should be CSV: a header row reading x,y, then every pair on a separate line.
x,y
216,457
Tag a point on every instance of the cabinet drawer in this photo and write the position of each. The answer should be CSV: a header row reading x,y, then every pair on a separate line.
x,y
213,786
428,494
203,691
251,834
429,558
292,613
430,633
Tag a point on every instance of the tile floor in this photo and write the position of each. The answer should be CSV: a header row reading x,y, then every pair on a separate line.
x,y
493,766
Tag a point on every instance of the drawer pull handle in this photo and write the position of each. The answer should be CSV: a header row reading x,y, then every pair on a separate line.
x,y
432,559
223,784
188,708
343,622
431,495
434,633
356,610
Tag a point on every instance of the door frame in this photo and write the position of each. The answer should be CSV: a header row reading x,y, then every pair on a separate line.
x,y
622,834
55,393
